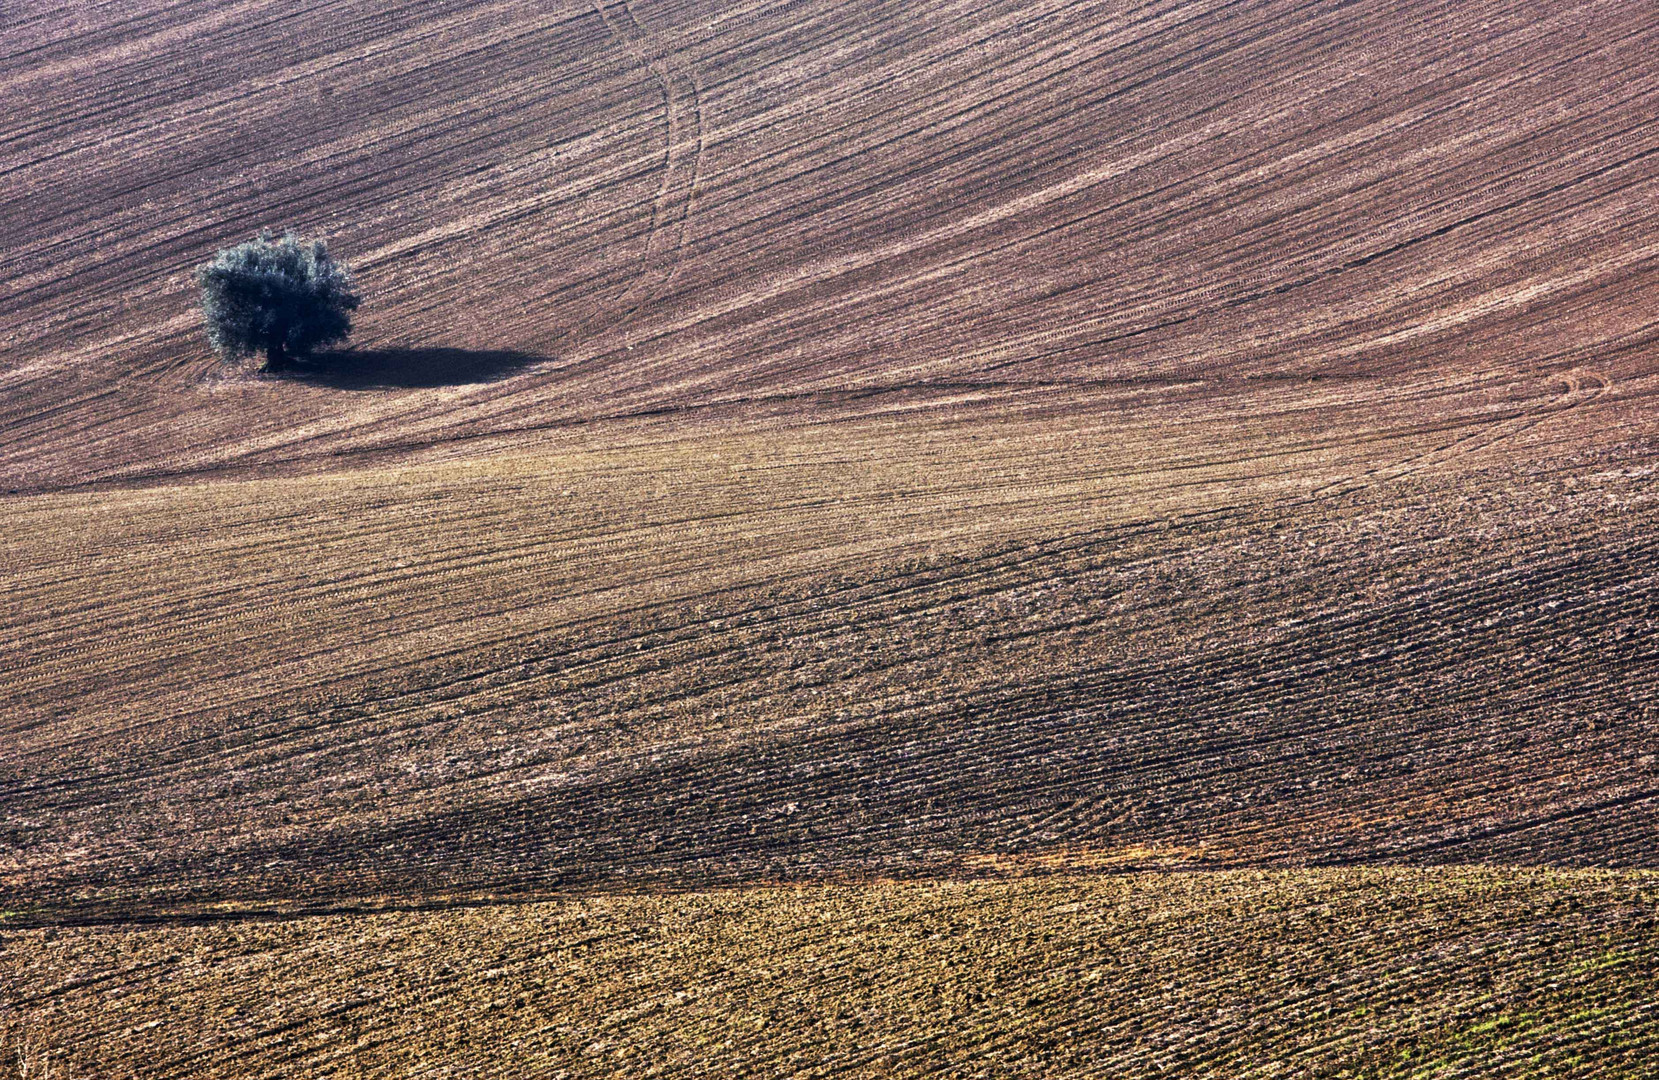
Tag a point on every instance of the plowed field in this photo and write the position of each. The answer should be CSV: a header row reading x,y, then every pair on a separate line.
x,y
947,538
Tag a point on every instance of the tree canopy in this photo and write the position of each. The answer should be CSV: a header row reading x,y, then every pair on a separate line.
x,y
284,297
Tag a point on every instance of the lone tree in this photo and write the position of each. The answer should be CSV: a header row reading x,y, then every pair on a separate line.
x,y
285,298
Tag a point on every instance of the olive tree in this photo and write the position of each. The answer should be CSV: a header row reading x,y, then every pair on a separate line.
x,y
285,298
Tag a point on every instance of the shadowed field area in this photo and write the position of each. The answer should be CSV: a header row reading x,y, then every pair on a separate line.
x,y
1121,534
385,369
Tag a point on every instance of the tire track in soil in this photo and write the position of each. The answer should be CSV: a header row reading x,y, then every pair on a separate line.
x,y
671,208
1579,388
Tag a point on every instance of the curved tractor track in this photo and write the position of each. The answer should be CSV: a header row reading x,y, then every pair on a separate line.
x,y
683,136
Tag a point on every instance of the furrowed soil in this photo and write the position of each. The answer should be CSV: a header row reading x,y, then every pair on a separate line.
x,y
1042,539
1388,973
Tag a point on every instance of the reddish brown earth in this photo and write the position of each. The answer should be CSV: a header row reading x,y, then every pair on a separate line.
x,y
854,446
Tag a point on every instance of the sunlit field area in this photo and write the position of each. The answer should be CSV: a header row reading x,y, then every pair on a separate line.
x,y
849,538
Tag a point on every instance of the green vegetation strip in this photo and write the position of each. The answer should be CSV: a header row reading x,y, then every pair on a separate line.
x,y
1356,973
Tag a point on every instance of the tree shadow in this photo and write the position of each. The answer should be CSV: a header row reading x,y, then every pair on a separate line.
x,y
388,369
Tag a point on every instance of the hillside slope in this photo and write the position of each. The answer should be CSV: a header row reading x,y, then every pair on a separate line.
x,y
613,208
808,461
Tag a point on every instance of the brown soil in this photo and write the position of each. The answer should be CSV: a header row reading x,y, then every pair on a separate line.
x,y
855,446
